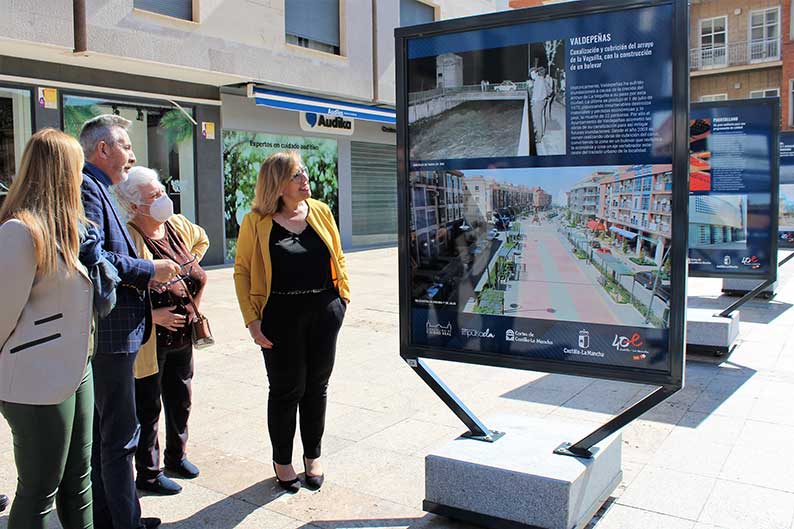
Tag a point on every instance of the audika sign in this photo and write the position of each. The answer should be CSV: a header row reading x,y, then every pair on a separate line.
x,y
539,193
326,123
733,184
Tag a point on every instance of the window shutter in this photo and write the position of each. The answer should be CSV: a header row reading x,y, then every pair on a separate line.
x,y
313,19
173,8
413,12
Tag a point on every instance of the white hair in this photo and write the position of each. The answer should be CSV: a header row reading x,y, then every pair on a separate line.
x,y
100,128
128,192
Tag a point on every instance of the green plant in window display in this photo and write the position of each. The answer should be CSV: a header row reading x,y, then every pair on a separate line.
x,y
75,115
176,126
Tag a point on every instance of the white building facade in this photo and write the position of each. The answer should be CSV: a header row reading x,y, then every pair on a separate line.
x,y
216,65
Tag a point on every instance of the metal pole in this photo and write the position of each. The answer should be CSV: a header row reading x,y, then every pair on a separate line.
x,y
753,293
582,447
477,430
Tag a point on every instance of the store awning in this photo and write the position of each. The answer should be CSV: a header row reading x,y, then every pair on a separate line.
x,y
625,233
319,105
613,263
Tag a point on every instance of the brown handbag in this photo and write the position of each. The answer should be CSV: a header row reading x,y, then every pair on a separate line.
x,y
200,331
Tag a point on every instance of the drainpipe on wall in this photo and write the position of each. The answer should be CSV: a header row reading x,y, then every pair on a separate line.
x,y
79,18
375,73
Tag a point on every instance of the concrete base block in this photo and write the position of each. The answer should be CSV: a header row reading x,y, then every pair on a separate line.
x,y
706,332
740,287
517,481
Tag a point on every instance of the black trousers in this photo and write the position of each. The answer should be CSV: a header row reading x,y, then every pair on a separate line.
x,y
173,385
303,330
116,434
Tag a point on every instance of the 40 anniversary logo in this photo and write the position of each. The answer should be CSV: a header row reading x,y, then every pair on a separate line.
x,y
631,344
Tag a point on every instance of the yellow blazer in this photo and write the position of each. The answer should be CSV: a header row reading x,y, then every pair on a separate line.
x,y
196,241
253,271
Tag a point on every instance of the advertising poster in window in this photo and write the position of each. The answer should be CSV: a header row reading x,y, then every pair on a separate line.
x,y
732,183
540,191
243,154
786,197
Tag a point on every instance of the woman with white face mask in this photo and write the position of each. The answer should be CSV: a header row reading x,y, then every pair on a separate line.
x,y
164,367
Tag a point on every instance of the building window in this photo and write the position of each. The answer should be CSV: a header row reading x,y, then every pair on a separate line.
x,y
413,12
713,97
173,8
313,24
15,130
765,34
713,42
161,136
769,92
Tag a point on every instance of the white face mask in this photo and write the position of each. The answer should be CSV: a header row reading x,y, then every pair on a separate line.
x,y
162,208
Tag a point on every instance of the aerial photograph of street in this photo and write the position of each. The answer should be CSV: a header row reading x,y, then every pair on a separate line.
x,y
498,102
586,244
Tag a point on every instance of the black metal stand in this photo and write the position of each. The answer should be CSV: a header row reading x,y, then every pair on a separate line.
x,y
477,430
754,292
582,448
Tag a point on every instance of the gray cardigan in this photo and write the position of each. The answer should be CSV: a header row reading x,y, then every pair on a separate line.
x,y
44,324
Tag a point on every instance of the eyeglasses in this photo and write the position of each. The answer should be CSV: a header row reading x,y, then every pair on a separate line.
x,y
180,277
297,177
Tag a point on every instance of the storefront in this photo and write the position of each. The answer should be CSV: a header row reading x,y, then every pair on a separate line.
x,y
351,161
172,128
16,125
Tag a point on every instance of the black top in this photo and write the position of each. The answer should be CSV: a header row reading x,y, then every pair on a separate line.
x,y
171,246
300,261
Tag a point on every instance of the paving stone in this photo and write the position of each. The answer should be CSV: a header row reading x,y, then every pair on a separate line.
x,y
739,506
769,466
624,517
668,492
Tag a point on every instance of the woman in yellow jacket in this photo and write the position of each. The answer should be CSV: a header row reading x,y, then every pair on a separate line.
x,y
292,287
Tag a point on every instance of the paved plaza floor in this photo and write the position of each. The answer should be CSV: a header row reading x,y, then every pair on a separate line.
x,y
717,455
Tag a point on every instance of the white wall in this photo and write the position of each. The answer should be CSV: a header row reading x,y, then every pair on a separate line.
x,y
240,38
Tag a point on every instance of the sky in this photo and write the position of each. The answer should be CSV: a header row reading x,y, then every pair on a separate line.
x,y
554,180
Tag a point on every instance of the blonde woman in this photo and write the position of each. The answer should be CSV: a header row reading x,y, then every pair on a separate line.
x,y
291,282
46,390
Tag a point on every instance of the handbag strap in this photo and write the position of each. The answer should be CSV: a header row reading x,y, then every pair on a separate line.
x,y
156,252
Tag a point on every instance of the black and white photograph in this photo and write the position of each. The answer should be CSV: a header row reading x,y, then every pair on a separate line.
x,y
497,102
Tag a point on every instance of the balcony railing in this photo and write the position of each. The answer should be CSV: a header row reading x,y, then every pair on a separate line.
x,y
734,54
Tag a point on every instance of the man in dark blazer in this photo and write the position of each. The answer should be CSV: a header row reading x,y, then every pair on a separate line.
x,y
109,156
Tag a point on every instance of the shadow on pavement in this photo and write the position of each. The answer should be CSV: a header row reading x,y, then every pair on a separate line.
x,y
755,311
429,521
709,387
232,510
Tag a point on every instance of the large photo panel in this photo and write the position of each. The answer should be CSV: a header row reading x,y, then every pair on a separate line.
x,y
733,186
538,188
786,197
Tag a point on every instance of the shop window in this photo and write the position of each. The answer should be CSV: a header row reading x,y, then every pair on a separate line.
x,y
15,130
161,136
413,12
313,24
769,92
182,9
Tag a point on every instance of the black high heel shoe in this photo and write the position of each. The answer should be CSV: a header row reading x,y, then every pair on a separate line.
x,y
293,485
312,482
